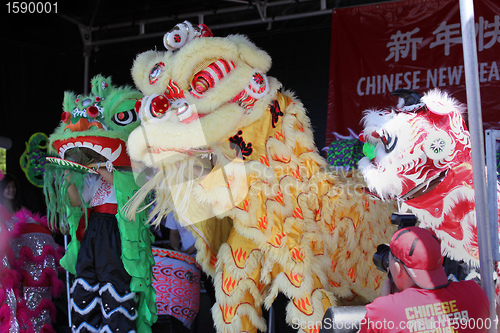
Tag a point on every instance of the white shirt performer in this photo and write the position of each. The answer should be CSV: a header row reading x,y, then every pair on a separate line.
x,y
101,277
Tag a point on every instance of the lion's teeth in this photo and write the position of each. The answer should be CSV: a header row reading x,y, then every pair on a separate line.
x,y
106,152
116,153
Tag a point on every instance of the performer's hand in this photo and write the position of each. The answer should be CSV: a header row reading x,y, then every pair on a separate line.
x,y
190,250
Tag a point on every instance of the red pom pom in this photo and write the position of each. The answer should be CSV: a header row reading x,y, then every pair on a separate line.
x,y
92,111
159,105
65,117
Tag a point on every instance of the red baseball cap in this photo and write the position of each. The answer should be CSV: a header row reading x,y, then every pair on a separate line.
x,y
420,252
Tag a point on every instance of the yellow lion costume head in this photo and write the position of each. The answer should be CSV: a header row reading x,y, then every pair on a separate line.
x,y
234,157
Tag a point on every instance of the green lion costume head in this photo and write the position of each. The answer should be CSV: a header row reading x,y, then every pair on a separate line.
x,y
100,123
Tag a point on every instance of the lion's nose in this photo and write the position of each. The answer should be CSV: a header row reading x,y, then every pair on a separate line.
x,y
173,92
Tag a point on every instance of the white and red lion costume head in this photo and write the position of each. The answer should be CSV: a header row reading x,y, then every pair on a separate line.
x,y
420,154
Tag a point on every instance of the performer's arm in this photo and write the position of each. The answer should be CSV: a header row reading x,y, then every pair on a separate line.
x,y
175,239
190,250
107,175
74,197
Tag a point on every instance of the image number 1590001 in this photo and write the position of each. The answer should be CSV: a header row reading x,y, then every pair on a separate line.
x,y
16,7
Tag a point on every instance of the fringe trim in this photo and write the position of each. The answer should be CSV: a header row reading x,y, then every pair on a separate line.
x,y
26,255
23,216
25,313
243,310
9,278
204,257
293,313
5,316
244,283
48,278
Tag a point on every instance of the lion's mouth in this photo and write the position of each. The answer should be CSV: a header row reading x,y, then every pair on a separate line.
x,y
425,187
367,191
89,149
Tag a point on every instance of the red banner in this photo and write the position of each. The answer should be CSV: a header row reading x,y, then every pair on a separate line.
x,y
410,44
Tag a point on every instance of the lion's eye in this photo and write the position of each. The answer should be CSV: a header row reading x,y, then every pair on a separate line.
x,y
201,84
125,112
389,142
210,76
124,118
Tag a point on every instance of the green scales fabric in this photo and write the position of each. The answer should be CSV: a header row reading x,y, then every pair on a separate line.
x,y
345,153
136,238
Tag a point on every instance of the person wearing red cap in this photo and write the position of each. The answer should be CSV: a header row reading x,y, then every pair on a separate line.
x,y
425,301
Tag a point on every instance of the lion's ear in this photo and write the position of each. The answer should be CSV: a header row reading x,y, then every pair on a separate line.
x,y
69,103
440,103
251,54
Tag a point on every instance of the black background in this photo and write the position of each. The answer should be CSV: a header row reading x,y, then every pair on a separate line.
x,y
43,56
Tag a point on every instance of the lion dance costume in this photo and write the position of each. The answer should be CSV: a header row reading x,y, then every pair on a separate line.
x,y
28,274
113,286
419,153
235,159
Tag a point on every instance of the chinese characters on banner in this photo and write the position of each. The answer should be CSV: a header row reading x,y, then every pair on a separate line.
x,y
409,44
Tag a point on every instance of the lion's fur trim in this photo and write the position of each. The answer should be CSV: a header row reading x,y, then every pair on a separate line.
x,y
244,313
